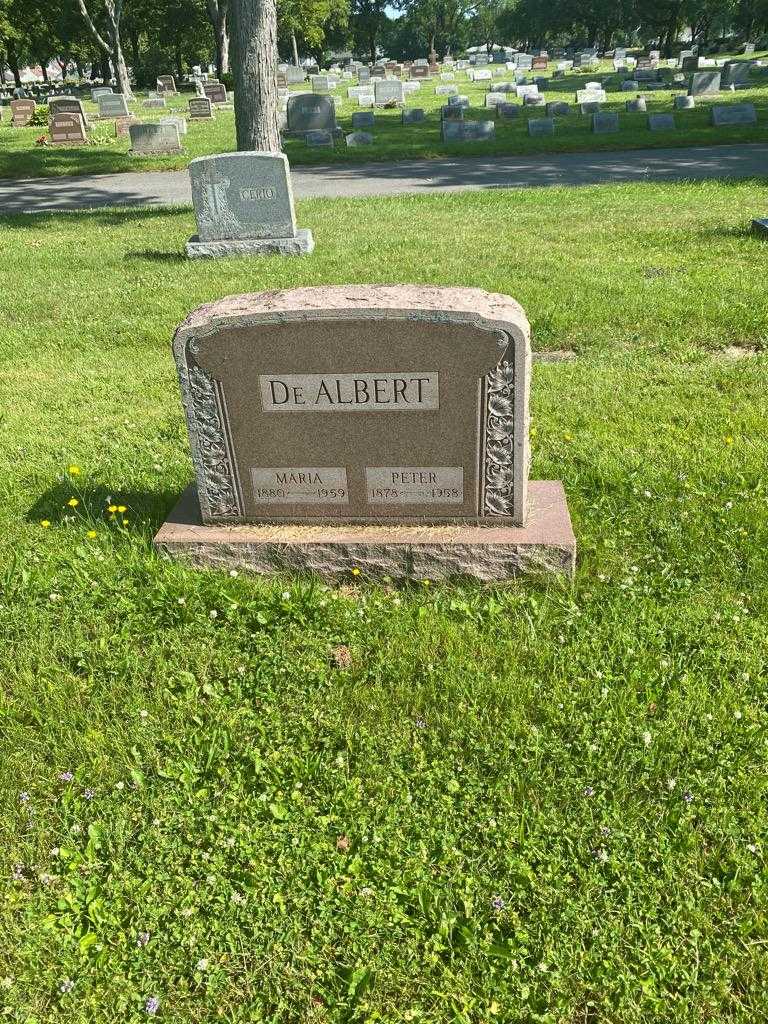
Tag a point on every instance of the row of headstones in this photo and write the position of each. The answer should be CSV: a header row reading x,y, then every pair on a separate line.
x,y
163,136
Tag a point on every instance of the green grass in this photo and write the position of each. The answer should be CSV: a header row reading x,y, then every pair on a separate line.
x,y
330,840
20,157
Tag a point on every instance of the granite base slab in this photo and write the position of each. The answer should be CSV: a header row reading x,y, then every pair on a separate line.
x,y
301,245
484,553
760,226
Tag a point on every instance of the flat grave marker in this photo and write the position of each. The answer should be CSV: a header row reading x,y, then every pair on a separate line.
x,y
154,137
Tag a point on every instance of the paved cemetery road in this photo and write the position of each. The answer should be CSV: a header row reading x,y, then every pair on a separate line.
x,y
163,188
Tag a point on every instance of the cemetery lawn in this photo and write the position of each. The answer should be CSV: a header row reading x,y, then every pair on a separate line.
x,y
20,157
290,802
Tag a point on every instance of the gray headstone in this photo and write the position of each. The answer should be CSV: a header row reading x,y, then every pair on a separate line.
x,y
308,112
359,139
637,106
558,108
200,107
112,105
458,101
661,122
591,96
541,126
452,112
684,102
155,102
100,90
363,119
734,114
166,84
413,116
468,131
605,121
179,122
244,204
534,101
215,92
386,91
447,90
507,111
154,138
704,83
318,137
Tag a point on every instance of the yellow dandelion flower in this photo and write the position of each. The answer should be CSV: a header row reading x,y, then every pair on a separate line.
x,y
74,471
568,437
112,508
425,582
73,502
729,440
45,523
355,572
91,534
121,508
125,522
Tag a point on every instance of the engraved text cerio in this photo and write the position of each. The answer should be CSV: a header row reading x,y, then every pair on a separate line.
x,y
415,391
257,193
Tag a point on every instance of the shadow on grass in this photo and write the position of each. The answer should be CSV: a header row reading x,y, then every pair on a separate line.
x,y
156,256
103,217
142,508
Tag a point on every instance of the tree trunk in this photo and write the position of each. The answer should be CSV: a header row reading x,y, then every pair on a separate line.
x,y
372,46
222,48
121,70
106,70
217,15
44,68
133,39
295,49
13,64
254,53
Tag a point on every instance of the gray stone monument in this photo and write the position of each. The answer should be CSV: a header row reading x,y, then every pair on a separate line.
x,y
147,139
310,112
112,105
734,114
359,139
468,131
414,115
661,122
606,121
341,427
200,108
244,206
387,92
704,83
541,126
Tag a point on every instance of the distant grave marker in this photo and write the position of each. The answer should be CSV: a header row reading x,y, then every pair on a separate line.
x,y
200,108
244,205
148,139
67,129
22,112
